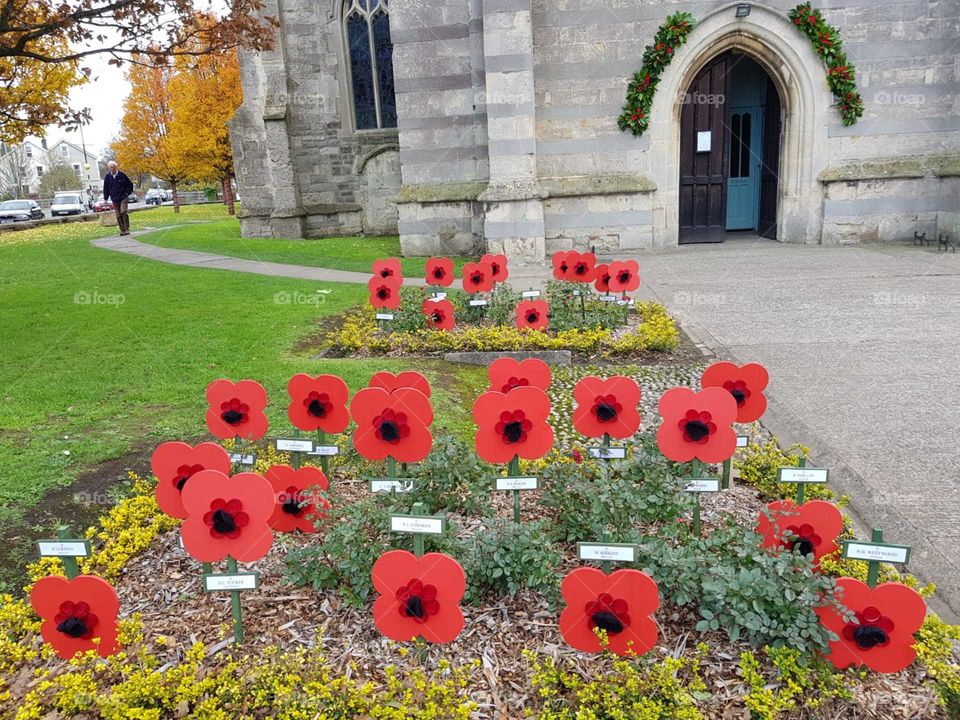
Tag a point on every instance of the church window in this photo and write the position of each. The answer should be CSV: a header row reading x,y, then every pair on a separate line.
x,y
366,26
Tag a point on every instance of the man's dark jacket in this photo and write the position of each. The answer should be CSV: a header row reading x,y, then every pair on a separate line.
x,y
117,188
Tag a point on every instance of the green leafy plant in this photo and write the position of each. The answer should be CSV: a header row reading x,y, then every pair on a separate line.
x,y
507,557
936,642
569,311
757,465
452,478
795,680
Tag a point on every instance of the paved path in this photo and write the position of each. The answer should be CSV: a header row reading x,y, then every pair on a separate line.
x,y
862,346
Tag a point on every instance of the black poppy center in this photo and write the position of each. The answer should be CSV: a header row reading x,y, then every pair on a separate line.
x,y
438,273
580,269
606,412
738,395
476,278
564,267
317,409
223,522
513,431
74,627
607,621
624,276
389,430
804,546
414,607
385,273
532,317
291,504
697,430
232,417
437,317
868,636
383,293
181,481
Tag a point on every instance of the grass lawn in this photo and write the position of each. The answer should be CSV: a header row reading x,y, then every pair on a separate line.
x,y
341,253
104,353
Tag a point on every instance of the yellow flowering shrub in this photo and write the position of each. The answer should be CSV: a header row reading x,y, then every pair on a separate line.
x,y
935,649
797,681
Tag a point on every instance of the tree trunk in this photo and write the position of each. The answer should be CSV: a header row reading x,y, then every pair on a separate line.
x,y
176,197
228,194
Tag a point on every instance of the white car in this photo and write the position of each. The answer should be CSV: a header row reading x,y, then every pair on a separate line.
x,y
67,203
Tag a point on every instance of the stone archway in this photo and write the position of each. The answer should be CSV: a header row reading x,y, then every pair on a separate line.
x,y
769,38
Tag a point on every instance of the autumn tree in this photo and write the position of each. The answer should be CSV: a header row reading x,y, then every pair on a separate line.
x,y
206,93
148,142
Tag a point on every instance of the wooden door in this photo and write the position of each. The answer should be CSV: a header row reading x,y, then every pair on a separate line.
x,y
770,167
703,196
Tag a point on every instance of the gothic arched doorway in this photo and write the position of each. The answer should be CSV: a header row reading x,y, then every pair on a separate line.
x,y
730,122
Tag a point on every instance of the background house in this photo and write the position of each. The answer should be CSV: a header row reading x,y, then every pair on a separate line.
x,y
23,166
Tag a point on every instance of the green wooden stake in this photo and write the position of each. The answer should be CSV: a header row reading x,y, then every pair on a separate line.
x,y
324,460
583,308
418,509
727,464
207,568
802,462
697,472
513,470
295,455
606,564
235,605
391,467
70,565
873,566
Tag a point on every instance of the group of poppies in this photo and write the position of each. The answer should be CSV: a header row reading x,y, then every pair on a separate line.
x,y
480,277
235,516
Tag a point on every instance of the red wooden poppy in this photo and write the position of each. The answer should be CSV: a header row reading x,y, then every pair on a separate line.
x,y
389,268
512,424
227,516
506,373
296,499
418,597
439,272
439,314
606,407
624,276
498,263
697,425
406,379
561,264
384,292
602,283
173,463
395,424
236,409
746,384
477,277
318,403
576,267
78,615
620,603
811,528
532,315
882,635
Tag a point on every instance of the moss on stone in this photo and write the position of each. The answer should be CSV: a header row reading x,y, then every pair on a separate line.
x,y
902,167
577,185
441,192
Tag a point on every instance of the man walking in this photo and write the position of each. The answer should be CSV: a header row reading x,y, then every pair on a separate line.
x,y
117,188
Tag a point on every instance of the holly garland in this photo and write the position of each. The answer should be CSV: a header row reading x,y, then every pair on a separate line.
x,y
671,35
840,73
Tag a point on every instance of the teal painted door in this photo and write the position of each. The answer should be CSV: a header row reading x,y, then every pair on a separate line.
x,y
744,156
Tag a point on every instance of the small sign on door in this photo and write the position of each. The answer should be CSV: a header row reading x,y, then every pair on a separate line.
x,y
703,141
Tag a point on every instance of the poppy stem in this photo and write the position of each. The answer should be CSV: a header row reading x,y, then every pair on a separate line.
x,y
873,566
324,460
513,470
235,605
391,467
295,455
583,308
418,549
801,462
697,472
727,464
70,566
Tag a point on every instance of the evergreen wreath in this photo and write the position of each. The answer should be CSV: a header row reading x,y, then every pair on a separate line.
x,y
671,35
840,73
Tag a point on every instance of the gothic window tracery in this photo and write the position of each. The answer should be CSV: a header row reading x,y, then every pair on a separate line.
x,y
366,26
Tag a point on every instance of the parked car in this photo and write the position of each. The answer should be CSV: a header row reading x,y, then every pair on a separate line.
x,y
154,196
18,210
102,206
168,195
67,203
133,198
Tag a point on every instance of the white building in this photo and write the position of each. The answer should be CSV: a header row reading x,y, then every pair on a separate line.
x,y
23,166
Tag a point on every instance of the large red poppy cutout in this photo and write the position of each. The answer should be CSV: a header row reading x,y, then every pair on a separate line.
x,y
236,409
602,283
574,266
419,597
295,498
498,264
697,425
882,636
173,463
506,373
606,407
532,315
811,528
227,516
78,615
439,272
318,403
512,424
384,292
624,276
438,314
394,424
746,384
406,379
620,603
389,268
477,277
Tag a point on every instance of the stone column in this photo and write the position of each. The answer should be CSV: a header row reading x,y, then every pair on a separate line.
x,y
514,206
